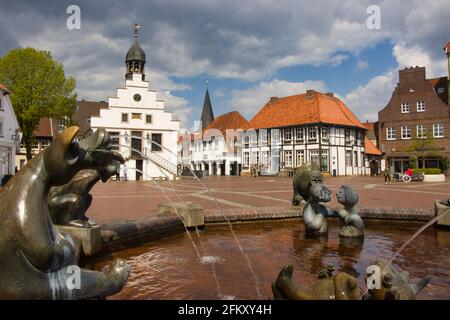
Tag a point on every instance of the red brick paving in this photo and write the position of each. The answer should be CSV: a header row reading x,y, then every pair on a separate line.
x,y
133,200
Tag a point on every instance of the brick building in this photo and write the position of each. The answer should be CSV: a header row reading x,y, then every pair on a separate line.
x,y
415,124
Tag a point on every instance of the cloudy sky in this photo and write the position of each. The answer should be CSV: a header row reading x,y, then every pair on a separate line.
x,y
248,50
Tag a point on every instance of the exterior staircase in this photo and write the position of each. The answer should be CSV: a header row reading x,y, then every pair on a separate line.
x,y
161,162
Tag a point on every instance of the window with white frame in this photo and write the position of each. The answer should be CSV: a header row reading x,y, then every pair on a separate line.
x,y
288,158
299,157
421,131
216,143
314,157
246,159
324,160
347,134
300,134
420,106
404,107
324,133
263,135
255,157
438,130
440,90
246,141
265,158
406,132
390,133
275,135
312,133
288,135
348,158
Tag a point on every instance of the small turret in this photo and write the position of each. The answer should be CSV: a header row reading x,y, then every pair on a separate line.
x,y
135,58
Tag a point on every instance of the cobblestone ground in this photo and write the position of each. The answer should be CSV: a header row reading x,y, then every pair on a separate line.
x,y
116,201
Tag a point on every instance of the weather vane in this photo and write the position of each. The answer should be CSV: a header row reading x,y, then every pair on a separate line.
x,y
207,84
137,26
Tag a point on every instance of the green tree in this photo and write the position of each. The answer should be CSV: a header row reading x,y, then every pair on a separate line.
x,y
39,88
423,147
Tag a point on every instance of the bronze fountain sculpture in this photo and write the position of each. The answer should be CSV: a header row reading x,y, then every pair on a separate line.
x,y
352,226
340,286
328,286
38,261
394,285
68,203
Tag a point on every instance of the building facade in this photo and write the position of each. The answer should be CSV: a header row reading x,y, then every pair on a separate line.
x,y
217,150
139,127
310,127
9,134
414,127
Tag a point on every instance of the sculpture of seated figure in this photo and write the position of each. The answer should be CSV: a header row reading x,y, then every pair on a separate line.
x,y
314,213
394,285
329,286
37,260
304,177
352,226
68,204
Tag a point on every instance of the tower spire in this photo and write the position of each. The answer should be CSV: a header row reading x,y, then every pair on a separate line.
x,y
207,112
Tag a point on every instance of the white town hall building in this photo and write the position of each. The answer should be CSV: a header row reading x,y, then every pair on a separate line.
x,y
135,118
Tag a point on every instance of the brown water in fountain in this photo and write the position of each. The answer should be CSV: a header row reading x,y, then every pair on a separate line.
x,y
169,268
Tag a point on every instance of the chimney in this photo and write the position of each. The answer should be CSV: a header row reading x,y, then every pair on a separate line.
x,y
310,93
447,52
273,99
330,94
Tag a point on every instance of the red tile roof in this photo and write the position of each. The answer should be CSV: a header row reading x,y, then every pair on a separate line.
x,y
369,126
310,107
370,148
231,120
3,87
46,128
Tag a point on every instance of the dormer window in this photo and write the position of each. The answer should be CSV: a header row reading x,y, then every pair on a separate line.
x,y
404,107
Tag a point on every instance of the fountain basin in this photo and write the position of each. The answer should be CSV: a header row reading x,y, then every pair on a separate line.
x,y
168,268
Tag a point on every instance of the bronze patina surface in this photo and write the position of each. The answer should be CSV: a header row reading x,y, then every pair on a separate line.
x,y
352,225
38,261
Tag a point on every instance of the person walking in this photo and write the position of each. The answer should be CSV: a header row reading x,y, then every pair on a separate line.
x,y
387,175
125,176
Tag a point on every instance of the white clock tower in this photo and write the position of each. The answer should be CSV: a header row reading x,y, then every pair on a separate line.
x,y
135,119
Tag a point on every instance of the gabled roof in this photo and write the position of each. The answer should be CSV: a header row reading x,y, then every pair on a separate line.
x,y
307,108
231,120
370,148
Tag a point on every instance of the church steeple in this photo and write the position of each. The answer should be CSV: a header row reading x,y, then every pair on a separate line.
x,y
135,58
207,112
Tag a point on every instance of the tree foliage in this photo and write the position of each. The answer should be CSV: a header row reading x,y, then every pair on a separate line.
x,y
39,88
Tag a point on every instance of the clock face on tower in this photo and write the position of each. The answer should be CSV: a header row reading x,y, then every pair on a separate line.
x,y
137,97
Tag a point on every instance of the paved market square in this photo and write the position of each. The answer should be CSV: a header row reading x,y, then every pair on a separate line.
x,y
117,201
